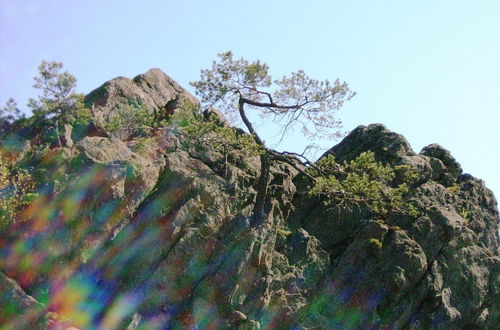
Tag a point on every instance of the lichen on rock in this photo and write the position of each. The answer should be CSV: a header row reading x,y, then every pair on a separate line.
x,y
140,232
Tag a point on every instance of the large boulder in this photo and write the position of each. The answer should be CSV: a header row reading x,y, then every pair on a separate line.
x,y
153,89
123,107
388,146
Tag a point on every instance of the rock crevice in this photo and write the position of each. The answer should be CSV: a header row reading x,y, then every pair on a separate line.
x,y
157,237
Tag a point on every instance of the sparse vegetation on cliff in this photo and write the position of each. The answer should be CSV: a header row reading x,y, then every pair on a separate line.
x,y
153,220
238,86
17,191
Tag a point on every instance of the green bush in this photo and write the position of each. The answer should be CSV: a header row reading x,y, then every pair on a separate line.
x,y
129,120
16,192
202,134
362,181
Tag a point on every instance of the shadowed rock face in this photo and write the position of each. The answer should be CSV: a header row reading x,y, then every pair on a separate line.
x,y
155,237
435,270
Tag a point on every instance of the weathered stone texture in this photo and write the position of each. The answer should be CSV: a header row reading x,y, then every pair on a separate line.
x,y
178,238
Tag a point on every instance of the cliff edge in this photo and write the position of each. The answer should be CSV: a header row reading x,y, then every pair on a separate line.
x,y
134,231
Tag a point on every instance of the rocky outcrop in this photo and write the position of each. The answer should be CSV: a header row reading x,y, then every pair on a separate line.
x,y
143,233
18,309
21,311
433,270
154,90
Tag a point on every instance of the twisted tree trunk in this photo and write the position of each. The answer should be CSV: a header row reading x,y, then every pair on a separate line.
x,y
258,212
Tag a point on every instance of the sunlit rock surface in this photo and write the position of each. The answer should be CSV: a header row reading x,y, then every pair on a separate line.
x,y
141,234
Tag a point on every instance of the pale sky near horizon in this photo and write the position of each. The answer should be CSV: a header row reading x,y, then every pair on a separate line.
x,y
429,70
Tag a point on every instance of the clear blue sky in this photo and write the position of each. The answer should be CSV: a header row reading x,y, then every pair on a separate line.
x,y
427,69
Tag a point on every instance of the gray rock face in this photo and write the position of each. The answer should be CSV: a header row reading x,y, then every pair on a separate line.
x,y
171,244
127,177
436,270
154,89
436,151
387,146
18,309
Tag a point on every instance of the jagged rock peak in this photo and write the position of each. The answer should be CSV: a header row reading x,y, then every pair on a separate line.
x,y
162,234
437,151
153,89
387,146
